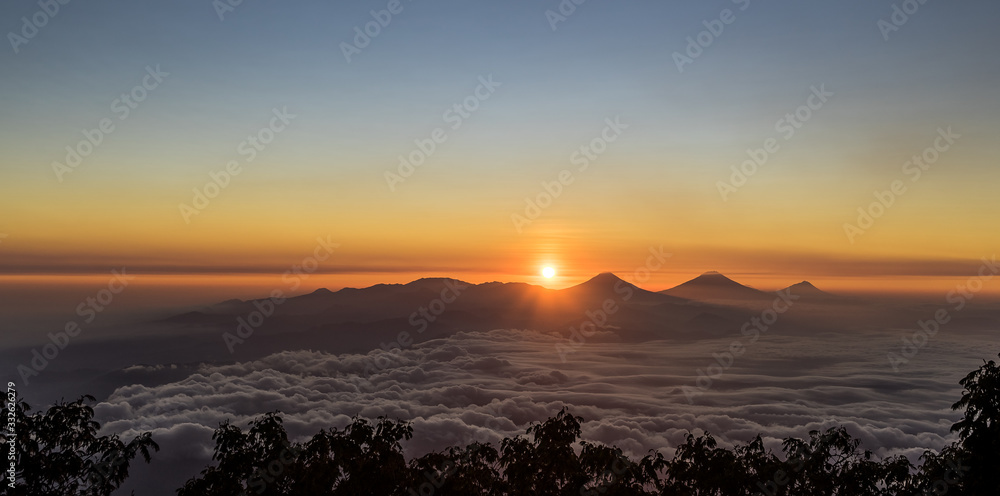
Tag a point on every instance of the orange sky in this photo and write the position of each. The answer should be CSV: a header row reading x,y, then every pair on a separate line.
x,y
659,141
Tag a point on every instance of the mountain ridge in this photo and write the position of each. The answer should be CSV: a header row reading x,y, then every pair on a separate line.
x,y
708,286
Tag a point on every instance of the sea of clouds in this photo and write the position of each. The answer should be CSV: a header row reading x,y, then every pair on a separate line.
x,y
480,386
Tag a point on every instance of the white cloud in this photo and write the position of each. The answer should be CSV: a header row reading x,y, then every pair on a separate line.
x,y
483,385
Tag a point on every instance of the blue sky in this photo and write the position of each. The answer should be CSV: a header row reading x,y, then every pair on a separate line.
x,y
606,59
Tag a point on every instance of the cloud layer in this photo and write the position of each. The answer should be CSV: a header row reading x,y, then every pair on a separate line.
x,y
484,385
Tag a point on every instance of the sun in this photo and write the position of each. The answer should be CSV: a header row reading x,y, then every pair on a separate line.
x,y
549,272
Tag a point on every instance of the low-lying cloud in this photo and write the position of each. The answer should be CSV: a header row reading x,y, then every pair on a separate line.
x,y
480,386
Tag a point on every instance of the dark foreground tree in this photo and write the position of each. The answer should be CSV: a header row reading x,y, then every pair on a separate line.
x,y
551,460
474,470
979,432
58,452
547,464
941,473
363,458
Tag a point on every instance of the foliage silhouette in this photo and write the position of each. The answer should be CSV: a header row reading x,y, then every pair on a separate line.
x,y
58,452
979,430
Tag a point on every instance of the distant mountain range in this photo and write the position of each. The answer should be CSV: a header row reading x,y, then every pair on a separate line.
x,y
603,309
709,304
713,286
384,301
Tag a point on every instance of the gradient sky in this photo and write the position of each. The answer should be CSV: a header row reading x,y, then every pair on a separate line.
x,y
656,185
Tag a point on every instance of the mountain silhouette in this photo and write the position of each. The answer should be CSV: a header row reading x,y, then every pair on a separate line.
x,y
712,286
607,285
806,288
360,319
440,306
